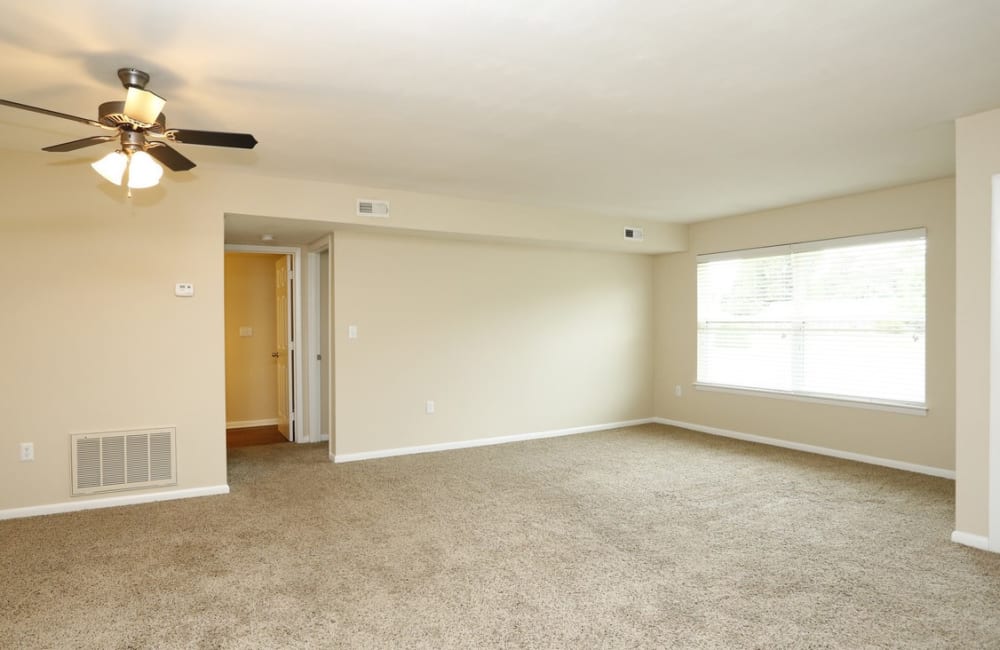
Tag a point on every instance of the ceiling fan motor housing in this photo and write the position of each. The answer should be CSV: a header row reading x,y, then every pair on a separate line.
x,y
113,114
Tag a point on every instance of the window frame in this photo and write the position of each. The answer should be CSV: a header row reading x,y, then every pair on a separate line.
x,y
897,406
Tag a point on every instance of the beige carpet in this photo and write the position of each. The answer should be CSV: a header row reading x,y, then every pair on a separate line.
x,y
641,537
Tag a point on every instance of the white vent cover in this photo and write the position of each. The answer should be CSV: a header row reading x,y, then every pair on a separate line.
x,y
372,208
634,234
123,460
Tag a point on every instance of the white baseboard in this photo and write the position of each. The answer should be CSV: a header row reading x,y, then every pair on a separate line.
x,y
111,502
481,442
968,539
243,424
813,449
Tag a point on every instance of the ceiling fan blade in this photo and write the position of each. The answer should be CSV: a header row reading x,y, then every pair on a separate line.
x,y
212,138
65,116
80,144
169,156
143,106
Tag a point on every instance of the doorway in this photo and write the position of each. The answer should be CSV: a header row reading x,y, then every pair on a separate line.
x,y
262,328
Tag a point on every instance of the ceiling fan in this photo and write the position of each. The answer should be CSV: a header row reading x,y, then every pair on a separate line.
x,y
141,129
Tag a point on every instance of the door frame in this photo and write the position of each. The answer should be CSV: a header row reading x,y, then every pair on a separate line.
x,y
324,244
297,406
993,432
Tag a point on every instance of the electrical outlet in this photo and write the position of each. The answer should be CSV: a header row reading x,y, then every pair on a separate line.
x,y
677,391
27,451
430,406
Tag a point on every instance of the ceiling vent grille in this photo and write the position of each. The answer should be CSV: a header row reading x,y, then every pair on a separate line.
x,y
633,234
371,208
123,460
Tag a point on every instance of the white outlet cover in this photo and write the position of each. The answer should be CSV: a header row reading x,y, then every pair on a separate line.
x,y
246,331
430,406
184,289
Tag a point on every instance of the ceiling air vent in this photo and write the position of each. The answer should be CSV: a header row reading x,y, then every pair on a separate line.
x,y
370,208
633,234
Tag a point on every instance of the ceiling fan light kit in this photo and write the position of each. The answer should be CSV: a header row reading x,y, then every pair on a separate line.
x,y
141,129
112,167
143,171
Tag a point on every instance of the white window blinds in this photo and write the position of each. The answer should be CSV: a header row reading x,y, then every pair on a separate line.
x,y
841,318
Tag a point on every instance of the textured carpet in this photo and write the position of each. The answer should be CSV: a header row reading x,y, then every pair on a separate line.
x,y
641,537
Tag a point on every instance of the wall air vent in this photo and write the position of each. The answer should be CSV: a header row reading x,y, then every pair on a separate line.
x,y
123,460
370,208
633,234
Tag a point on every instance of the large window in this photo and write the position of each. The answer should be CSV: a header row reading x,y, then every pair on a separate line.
x,y
841,318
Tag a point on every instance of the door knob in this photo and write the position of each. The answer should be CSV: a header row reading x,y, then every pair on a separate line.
x,y
274,354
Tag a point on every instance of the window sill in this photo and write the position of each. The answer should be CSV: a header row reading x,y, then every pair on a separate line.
x,y
875,405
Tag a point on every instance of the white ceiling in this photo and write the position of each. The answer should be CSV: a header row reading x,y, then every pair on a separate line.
x,y
668,109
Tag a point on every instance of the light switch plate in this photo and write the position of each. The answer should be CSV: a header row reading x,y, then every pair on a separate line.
x,y
352,331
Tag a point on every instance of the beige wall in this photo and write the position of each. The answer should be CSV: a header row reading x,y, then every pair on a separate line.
x,y
251,375
96,339
977,159
505,339
99,342
925,440
422,214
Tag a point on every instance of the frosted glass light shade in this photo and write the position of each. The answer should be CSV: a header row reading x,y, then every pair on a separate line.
x,y
112,166
143,171
143,106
